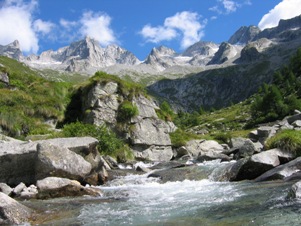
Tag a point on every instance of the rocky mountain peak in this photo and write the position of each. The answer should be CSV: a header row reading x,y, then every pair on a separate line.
x,y
162,51
201,48
244,35
12,50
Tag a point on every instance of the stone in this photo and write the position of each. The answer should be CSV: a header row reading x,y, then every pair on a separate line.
x,y
153,153
281,172
12,212
181,151
295,191
247,149
209,156
146,107
4,188
293,118
17,190
17,161
30,192
195,147
297,123
60,162
54,187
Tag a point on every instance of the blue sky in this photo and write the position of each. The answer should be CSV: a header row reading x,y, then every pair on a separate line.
x,y
136,25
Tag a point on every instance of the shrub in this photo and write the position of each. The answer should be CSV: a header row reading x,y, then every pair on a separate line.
x,y
180,137
109,143
286,140
126,111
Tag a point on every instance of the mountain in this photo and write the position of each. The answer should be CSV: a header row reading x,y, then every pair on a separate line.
x,y
11,50
236,71
244,35
214,74
82,56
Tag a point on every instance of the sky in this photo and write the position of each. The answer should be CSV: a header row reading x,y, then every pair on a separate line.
x,y
136,25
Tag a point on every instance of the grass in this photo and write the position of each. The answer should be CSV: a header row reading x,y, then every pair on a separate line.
x,y
286,140
30,100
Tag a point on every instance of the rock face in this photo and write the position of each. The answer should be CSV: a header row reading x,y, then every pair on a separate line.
x,y
225,52
147,134
244,35
12,212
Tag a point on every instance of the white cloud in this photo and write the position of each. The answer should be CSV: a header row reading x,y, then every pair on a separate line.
x,y
97,26
228,6
185,24
284,10
68,24
157,34
16,23
44,27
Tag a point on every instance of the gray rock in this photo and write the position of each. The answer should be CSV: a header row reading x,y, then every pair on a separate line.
x,y
293,118
12,212
54,187
17,161
297,123
195,147
209,156
146,107
153,153
61,162
4,188
244,35
181,151
295,191
281,172
29,193
247,149
18,189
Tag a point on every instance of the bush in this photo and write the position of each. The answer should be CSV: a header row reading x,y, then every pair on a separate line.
x,y
180,137
286,140
126,111
109,143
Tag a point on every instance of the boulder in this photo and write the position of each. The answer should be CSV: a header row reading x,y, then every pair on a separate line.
x,y
293,118
295,191
54,187
209,156
12,212
17,161
281,172
251,167
195,147
4,188
153,153
18,189
60,162
264,132
180,174
248,148
30,192
181,151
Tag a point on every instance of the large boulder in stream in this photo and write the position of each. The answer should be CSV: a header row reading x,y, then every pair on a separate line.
x,y
282,172
201,147
12,212
252,167
60,162
21,161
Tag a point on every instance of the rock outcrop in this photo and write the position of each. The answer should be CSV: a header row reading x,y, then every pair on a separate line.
x,y
148,135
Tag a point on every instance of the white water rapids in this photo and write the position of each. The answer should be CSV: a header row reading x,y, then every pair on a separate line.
x,y
138,200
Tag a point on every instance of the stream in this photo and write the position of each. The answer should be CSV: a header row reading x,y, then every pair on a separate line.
x,y
138,200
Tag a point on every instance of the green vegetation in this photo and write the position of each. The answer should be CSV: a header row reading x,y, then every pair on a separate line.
x,y
180,137
30,100
165,112
287,140
126,111
280,98
109,143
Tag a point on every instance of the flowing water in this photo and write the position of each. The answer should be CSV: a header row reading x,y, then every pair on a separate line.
x,y
138,200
